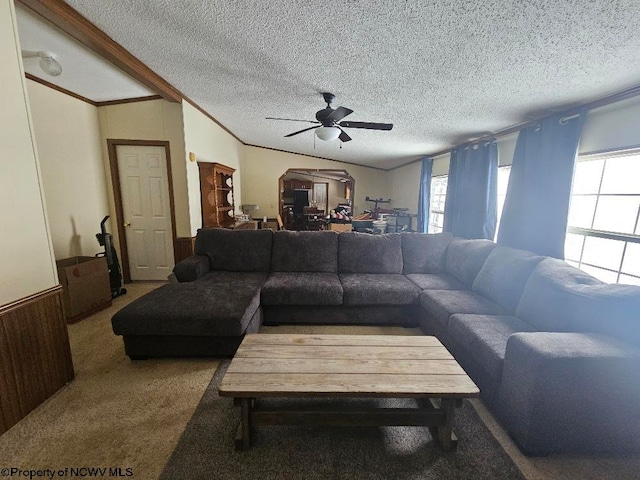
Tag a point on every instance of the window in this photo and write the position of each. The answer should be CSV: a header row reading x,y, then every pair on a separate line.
x,y
439,194
436,203
603,237
503,183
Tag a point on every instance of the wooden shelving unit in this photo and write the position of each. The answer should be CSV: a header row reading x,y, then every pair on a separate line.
x,y
216,193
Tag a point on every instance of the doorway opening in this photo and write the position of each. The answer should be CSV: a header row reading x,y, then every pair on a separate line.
x,y
307,195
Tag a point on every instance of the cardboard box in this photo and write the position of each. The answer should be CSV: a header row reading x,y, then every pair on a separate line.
x,y
85,284
340,227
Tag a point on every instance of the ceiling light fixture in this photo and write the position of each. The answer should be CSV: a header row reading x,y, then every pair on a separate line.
x,y
327,133
48,62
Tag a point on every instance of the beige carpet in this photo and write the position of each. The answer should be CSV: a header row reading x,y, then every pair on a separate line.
x,y
118,413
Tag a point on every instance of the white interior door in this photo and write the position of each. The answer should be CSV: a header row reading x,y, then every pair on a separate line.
x,y
147,212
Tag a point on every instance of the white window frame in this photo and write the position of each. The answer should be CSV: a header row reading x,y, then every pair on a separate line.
x,y
608,235
433,226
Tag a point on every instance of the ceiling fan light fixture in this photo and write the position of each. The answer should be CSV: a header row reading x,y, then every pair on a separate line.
x,y
327,133
49,63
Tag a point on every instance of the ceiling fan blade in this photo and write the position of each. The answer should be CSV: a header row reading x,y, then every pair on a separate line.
x,y
291,119
368,125
343,136
339,113
301,131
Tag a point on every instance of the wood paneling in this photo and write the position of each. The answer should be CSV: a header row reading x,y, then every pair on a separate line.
x,y
35,357
183,247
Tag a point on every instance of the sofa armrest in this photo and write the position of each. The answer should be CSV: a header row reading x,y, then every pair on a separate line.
x,y
570,392
191,268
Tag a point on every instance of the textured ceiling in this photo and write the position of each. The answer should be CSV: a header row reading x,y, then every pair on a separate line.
x,y
441,72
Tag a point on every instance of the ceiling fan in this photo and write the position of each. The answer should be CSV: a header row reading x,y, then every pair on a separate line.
x,y
329,125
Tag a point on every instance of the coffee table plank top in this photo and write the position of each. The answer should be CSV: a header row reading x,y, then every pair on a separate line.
x,y
319,352
344,365
340,340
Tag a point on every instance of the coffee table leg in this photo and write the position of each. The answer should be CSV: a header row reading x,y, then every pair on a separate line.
x,y
243,438
446,437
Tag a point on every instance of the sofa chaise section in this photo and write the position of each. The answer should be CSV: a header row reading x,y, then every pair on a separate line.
x,y
215,304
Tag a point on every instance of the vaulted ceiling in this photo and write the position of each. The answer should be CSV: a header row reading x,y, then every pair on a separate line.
x,y
441,72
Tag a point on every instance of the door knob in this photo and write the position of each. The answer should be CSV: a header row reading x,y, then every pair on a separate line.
x,y
126,224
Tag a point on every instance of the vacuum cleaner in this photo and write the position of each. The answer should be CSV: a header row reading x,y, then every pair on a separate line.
x,y
115,276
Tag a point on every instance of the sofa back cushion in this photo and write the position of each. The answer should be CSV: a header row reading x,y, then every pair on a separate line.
x,y
235,250
609,309
365,253
465,258
504,274
305,252
424,253
546,301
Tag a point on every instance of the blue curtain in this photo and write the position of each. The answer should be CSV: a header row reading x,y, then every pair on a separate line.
x,y
470,210
536,208
425,193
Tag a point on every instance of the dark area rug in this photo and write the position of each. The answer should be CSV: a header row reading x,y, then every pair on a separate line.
x,y
206,448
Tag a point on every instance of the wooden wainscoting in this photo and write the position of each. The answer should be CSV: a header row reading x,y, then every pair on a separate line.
x,y
35,357
183,247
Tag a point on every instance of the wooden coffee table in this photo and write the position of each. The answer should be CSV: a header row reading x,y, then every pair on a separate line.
x,y
274,365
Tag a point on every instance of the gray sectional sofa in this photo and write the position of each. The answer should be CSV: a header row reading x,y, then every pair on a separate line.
x,y
555,352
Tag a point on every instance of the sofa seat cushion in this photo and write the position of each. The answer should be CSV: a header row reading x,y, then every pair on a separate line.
x,y
504,275
305,252
283,288
218,304
441,304
424,253
378,289
435,281
484,337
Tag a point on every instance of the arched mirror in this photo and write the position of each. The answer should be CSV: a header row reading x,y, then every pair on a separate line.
x,y
307,195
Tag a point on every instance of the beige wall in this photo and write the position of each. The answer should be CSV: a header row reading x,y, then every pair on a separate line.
x,y
149,120
404,183
210,143
613,126
262,167
26,253
68,138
